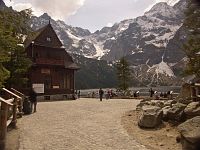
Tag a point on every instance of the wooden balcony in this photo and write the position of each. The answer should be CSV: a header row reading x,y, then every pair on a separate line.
x,y
47,61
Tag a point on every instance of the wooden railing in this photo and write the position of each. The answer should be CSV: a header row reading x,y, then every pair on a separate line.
x,y
8,114
20,102
5,119
17,101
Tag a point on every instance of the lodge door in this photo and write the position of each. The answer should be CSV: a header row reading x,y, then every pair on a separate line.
x,y
47,82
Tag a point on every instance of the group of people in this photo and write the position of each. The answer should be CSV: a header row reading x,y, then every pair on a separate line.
x,y
168,94
77,94
109,94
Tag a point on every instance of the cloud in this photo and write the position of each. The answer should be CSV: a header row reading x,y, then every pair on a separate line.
x,y
22,6
57,9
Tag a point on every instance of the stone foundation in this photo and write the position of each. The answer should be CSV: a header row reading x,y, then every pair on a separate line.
x,y
55,97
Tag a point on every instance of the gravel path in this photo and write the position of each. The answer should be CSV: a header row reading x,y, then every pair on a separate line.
x,y
84,124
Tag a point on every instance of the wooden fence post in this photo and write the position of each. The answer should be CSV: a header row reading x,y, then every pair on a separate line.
x,y
20,106
20,101
14,120
3,122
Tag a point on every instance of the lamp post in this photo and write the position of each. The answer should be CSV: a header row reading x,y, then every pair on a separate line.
x,y
32,43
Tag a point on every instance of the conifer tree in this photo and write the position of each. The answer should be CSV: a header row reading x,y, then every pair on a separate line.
x,y
123,74
192,47
13,27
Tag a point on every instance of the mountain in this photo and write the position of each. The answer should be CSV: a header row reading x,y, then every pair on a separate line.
x,y
145,34
2,5
94,73
148,35
152,43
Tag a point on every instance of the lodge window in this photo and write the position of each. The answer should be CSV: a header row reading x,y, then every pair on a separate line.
x,y
48,39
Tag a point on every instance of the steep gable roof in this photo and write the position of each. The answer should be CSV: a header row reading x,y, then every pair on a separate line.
x,y
45,36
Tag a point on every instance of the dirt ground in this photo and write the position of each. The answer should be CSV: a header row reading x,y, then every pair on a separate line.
x,y
162,138
12,142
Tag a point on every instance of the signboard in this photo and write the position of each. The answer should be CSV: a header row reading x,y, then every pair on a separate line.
x,y
56,86
45,71
38,88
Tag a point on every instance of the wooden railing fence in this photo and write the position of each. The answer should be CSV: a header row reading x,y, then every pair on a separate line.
x,y
10,108
20,102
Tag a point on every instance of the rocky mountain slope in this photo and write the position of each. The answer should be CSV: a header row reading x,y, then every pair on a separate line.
x,y
152,43
94,73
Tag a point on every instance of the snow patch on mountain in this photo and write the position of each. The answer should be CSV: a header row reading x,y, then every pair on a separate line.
x,y
99,50
75,39
162,68
172,2
163,9
122,26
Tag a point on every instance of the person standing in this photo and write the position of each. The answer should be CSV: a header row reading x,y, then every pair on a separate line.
x,y
107,95
79,93
101,94
151,92
33,99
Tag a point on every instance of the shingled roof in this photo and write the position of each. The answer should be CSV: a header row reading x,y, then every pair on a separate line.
x,y
33,36
39,37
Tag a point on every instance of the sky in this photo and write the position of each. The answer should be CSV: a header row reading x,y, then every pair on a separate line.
x,y
88,14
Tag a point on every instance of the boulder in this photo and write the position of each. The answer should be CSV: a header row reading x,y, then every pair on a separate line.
x,y
169,103
151,117
190,134
192,109
165,112
176,112
184,100
143,103
185,91
157,103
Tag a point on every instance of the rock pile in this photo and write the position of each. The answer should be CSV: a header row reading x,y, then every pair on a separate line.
x,y
190,134
154,112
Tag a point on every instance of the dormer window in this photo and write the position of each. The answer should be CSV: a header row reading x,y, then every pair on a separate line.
x,y
48,39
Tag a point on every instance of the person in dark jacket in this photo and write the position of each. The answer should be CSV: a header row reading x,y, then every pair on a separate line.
x,y
33,99
101,94
151,92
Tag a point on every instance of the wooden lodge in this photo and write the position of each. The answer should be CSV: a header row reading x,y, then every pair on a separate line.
x,y
52,70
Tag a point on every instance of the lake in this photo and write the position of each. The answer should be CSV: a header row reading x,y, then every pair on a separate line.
x,y
144,91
